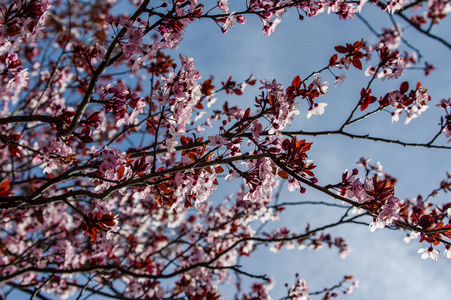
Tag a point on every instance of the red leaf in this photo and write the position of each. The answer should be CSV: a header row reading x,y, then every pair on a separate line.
x,y
283,174
341,49
120,172
237,91
296,82
357,45
14,150
357,63
333,60
183,140
251,82
363,107
85,139
290,91
207,87
247,113
404,87
14,137
4,188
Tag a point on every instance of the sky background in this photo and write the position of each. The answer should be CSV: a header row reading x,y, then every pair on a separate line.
x,y
387,267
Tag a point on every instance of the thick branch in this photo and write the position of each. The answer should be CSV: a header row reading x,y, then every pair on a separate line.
x,y
33,118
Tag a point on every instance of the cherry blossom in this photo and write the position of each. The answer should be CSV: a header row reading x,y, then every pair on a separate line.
x,y
299,291
216,141
447,253
317,109
429,252
339,79
224,6
18,82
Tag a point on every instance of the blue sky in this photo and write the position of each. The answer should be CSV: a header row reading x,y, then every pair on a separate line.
x,y
386,267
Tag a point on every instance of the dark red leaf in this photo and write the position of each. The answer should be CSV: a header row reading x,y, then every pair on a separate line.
x,y
357,63
296,82
341,49
404,87
333,60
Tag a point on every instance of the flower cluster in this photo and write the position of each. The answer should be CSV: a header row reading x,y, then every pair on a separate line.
x,y
260,179
376,194
395,5
117,98
391,37
194,188
391,65
413,103
387,214
283,109
112,166
299,291
52,155
181,93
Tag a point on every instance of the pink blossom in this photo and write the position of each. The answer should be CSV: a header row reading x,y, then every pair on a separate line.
x,y
429,252
241,19
389,211
18,82
229,22
370,71
349,290
393,69
130,50
414,112
339,79
257,128
358,192
224,6
170,144
135,36
444,103
49,154
412,235
140,105
112,159
395,5
344,252
391,37
232,174
320,86
395,115
272,86
376,225
438,7
216,141
363,162
343,10
268,30
101,51
317,109
447,253
299,291
447,131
